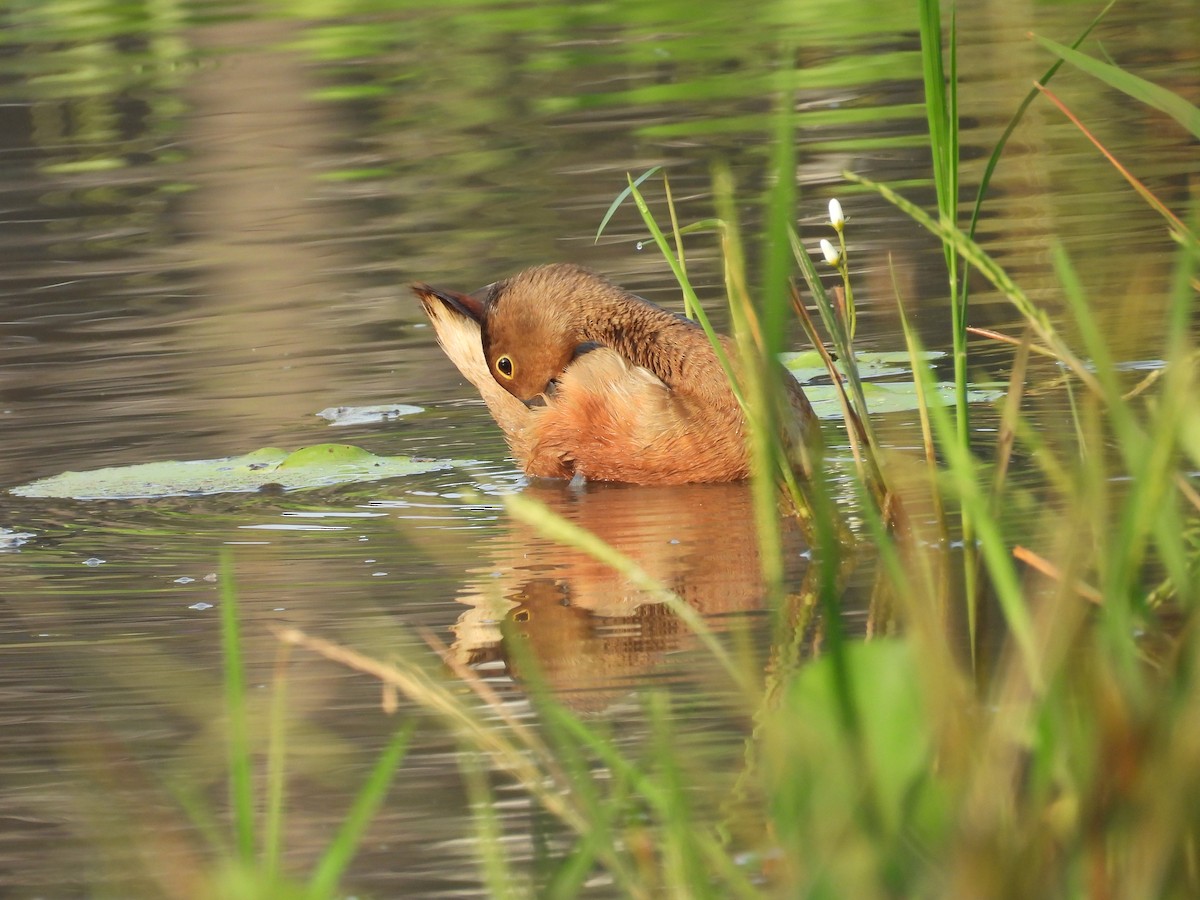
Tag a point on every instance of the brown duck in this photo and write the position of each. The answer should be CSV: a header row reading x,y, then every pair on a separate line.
x,y
586,379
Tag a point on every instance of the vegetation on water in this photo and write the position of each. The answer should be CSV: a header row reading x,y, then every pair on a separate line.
x,y
893,766
320,465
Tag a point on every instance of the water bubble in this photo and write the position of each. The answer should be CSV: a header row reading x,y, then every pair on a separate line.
x,y
93,562
201,605
638,245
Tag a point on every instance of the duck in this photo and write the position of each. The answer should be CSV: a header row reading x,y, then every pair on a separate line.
x,y
587,380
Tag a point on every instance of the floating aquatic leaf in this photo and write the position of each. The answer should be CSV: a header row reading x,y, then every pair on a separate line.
x,y
11,539
891,397
367,415
806,365
318,466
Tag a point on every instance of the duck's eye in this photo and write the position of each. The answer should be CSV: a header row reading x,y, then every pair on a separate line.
x,y
504,365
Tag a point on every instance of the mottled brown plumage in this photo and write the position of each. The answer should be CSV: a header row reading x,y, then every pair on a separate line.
x,y
585,378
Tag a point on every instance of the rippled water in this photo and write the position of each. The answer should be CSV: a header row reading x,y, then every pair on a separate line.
x,y
208,216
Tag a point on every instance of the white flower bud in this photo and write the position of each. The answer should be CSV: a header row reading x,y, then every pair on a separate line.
x,y
832,255
836,218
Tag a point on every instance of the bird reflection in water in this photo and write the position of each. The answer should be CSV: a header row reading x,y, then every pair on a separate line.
x,y
593,634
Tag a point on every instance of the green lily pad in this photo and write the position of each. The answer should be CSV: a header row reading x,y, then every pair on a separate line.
x,y
321,465
806,365
891,397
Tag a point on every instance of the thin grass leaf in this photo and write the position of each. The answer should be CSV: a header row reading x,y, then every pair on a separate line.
x,y
854,430
995,553
1007,433
841,342
1129,436
941,113
497,874
941,109
573,766
526,735
340,852
240,785
682,868
703,226
1139,89
689,293
522,761
994,273
560,756
857,418
1144,192
762,414
922,412
994,159
1152,506
1149,454
936,101
1012,341
679,254
781,204
603,808
621,197
276,755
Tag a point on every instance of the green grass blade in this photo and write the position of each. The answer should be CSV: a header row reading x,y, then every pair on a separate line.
x,y
1139,89
967,482
836,331
934,75
337,856
276,756
998,150
781,205
1129,438
652,790
599,808
993,272
761,414
621,197
689,294
950,203
679,254
241,789
682,868
489,843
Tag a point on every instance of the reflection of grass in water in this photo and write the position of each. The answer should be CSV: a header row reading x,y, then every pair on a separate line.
x,y
893,767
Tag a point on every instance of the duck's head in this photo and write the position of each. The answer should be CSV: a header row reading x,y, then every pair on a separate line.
x,y
528,324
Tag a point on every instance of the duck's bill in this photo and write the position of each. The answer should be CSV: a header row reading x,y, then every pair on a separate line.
x,y
469,305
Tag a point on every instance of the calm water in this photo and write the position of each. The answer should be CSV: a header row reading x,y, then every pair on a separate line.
x,y
208,216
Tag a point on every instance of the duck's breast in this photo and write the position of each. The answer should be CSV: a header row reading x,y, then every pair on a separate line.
x,y
610,420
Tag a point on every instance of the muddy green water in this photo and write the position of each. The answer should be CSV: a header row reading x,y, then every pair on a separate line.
x,y
208,216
